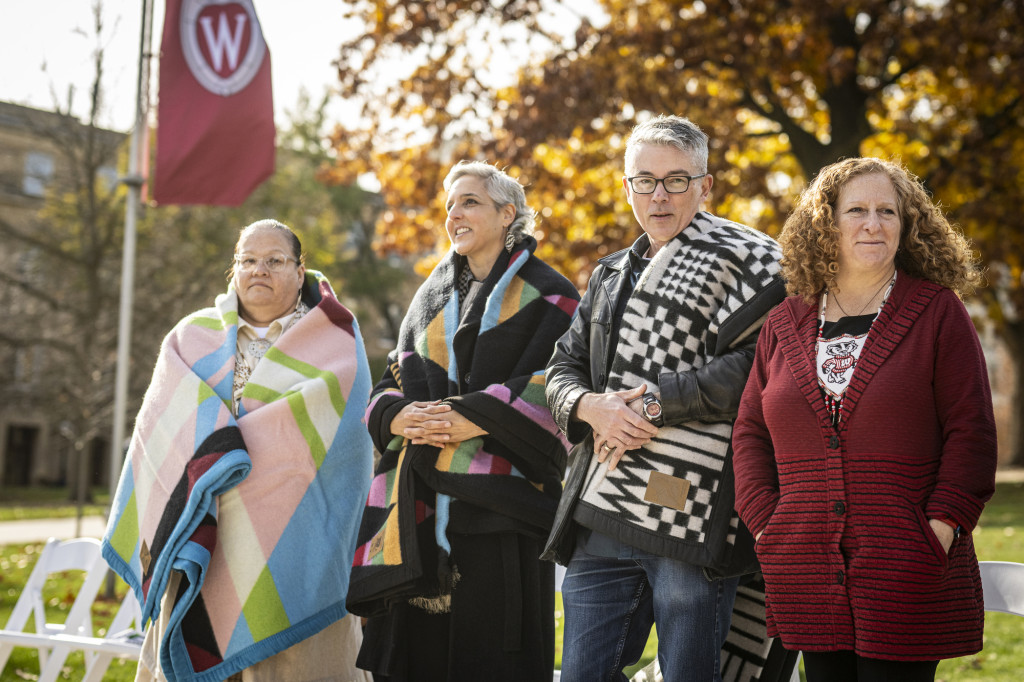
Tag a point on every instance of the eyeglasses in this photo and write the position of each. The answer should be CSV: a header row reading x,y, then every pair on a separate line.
x,y
673,184
273,263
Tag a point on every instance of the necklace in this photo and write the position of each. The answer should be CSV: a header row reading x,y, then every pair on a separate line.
x,y
259,347
889,280
833,404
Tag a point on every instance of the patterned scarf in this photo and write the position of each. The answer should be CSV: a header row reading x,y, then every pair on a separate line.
x,y
505,340
673,319
259,514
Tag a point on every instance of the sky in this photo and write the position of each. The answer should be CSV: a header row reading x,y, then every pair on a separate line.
x,y
46,46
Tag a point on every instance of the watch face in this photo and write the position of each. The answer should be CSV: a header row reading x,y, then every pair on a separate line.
x,y
652,407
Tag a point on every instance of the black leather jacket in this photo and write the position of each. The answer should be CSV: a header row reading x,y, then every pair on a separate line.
x,y
581,363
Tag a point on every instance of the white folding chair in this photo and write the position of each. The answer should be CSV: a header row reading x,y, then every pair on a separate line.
x,y
54,641
1003,585
80,554
124,639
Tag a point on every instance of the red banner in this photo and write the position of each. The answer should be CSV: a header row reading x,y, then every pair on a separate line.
x,y
215,115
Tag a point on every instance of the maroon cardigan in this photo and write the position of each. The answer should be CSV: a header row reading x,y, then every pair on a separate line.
x,y
849,560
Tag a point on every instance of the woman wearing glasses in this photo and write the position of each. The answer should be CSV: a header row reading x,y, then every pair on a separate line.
x,y
236,514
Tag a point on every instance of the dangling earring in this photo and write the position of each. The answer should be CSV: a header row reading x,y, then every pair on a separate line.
x,y
510,239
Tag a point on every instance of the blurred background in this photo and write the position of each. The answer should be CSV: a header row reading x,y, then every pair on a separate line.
x,y
374,100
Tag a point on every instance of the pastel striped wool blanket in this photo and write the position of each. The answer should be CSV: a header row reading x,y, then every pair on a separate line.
x,y
258,513
489,365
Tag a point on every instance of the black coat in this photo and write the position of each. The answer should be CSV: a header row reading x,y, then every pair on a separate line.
x,y
581,363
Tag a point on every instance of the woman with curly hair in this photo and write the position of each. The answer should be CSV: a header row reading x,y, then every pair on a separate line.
x,y
865,446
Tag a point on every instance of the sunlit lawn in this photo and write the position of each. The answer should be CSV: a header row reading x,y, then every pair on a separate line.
x,y
22,504
16,562
999,537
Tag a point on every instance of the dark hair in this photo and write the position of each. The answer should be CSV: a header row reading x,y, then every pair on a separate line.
x,y
289,234
270,223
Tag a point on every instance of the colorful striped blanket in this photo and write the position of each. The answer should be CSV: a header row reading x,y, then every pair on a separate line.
x,y
258,513
489,365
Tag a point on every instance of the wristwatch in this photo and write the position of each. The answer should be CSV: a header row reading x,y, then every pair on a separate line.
x,y
652,410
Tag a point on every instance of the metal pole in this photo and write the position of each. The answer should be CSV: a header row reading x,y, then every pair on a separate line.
x,y
134,182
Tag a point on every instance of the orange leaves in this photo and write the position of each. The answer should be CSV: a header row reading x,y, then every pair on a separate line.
x,y
781,90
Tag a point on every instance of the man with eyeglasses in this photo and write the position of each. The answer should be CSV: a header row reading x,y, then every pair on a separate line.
x,y
646,384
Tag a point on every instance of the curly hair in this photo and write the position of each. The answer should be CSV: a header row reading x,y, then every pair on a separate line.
x,y
929,247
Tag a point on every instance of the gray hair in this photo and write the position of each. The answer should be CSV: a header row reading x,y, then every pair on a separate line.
x,y
502,189
669,131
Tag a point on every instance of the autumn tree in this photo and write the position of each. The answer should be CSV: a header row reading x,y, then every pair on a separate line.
x,y
60,282
782,88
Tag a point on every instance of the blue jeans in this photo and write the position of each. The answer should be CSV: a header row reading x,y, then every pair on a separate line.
x,y
611,602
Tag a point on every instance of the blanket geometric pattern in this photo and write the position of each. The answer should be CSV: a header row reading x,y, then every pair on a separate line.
x,y
671,323
747,644
515,470
258,513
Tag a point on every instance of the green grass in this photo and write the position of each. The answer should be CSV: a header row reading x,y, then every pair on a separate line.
x,y
998,537
16,562
21,504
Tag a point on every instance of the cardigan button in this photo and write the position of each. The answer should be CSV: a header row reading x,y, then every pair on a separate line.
x,y
840,577
833,442
839,508
466,380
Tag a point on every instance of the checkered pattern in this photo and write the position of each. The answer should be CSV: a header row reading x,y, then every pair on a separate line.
x,y
747,644
691,288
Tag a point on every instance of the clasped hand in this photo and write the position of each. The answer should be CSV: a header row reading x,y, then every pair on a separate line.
x,y
617,422
433,423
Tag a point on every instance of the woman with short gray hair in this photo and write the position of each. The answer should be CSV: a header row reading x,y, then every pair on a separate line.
x,y
447,566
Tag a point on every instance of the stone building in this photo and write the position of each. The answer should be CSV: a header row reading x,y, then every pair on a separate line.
x,y
33,163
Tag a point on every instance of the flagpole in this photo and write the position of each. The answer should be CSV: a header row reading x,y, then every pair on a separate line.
x,y
134,182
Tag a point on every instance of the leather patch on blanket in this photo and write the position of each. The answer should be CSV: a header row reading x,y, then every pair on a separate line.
x,y
376,544
144,557
668,491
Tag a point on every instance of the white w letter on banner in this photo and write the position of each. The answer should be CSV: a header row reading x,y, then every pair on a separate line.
x,y
224,39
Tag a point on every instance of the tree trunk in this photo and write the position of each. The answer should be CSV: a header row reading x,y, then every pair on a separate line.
x,y
1013,334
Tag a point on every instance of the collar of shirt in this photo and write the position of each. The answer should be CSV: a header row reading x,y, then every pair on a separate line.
x,y
637,260
247,333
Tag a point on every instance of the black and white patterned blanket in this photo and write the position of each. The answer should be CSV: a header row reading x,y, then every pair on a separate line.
x,y
691,288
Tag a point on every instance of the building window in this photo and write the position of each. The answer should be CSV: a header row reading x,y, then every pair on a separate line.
x,y
108,176
38,173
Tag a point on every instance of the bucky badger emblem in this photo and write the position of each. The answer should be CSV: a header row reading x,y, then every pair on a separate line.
x,y
842,359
